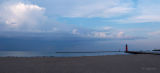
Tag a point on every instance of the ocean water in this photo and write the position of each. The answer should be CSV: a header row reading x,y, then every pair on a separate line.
x,y
33,46
55,54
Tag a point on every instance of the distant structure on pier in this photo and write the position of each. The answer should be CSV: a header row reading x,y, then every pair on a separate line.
x,y
126,48
156,50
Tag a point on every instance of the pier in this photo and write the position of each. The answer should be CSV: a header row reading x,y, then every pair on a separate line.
x,y
141,52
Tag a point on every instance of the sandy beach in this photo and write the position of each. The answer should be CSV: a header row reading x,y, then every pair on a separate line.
x,y
94,64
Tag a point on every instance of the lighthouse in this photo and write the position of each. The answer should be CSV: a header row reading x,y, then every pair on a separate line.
x,y
126,48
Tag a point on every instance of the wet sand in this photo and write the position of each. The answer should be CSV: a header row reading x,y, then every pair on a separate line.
x,y
95,64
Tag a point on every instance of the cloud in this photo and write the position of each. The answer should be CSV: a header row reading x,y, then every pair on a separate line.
x,y
155,33
120,35
20,15
107,28
27,17
145,11
75,31
90,8
102,11
102,33
141,19
111,35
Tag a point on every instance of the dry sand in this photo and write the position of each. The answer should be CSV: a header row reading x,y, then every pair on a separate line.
x,y
97,64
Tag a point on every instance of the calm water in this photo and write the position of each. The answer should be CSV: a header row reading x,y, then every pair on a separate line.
x,y
34,54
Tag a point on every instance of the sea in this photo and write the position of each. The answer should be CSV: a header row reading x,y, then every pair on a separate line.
x,y
58,54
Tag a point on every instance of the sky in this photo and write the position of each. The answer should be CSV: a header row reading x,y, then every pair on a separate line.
x,y
79,24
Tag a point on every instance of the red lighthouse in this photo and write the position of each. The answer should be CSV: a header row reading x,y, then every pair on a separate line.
x,y
126,48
